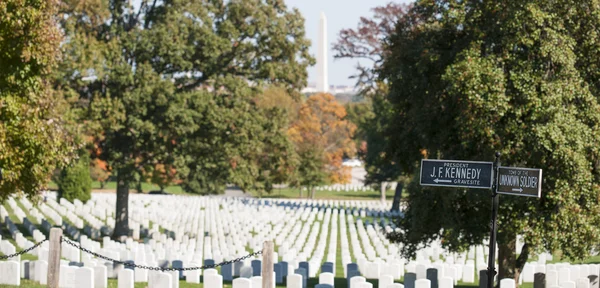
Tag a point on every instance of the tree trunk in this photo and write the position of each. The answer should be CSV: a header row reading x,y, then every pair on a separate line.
x,y
300,192
397,197
122,213
509,265
312,193
102,183
382,189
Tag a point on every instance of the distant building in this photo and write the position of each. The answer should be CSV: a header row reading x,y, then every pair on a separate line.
x,y
333,89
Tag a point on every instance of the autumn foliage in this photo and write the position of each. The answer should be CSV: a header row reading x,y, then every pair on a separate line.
x,y
321,125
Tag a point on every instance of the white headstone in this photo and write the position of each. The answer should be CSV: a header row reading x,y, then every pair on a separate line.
x,y
421,271
468,273
193,276
84,278
583,283
11,271
568,284
574,275
385,281
508,283
41,271
423,283
446,282
141,275
257,281
163,279
564,275
551,278
213,281
125,278
294,281
326,278
356,281
241,283
174,279
100,277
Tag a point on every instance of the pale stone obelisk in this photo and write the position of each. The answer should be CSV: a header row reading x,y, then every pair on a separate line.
x,y
322,83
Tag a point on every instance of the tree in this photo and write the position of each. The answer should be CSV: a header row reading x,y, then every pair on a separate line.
x,y
99,169
99,172
74,181
321,130
161,175
137,112
359,114
242,140
367,42
33,139
470,78
143,79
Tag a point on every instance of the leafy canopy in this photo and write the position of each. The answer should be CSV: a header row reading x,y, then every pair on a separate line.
x,y
469,78
33,140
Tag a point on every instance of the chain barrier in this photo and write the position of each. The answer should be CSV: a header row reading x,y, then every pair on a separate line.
x,y
22,252
133,265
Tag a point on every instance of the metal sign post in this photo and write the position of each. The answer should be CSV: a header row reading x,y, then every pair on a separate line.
x,y
484,175
494,228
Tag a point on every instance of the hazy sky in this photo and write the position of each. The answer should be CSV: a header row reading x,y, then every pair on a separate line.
x,y
340,14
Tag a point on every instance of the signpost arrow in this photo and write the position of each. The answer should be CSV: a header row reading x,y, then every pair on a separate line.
x,y
451,173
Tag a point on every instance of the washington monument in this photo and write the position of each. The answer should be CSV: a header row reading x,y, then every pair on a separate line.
x,y
322,47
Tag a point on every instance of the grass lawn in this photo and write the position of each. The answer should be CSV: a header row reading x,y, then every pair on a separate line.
x,y
290,193
339,282
146,187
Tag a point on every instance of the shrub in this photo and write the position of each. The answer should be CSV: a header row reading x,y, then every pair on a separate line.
x,y
75,182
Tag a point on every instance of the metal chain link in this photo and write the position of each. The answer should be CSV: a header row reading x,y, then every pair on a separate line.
x,y
22,252
133,265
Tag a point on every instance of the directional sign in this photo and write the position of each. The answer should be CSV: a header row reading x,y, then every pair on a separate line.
x,y
520,181
451,173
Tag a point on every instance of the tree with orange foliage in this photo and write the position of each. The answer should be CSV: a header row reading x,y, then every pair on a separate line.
x,y
161,175
322,136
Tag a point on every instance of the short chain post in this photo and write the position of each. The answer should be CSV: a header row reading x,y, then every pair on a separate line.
x,y
267,265
54,257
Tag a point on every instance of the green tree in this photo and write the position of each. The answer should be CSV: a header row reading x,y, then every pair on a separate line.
x,y
152,80
33,139
469,78
74,181
239,141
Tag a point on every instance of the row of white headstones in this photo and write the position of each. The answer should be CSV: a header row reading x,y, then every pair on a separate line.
x,y
235,226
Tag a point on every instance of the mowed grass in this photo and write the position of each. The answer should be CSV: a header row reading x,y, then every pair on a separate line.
x,y
339,282
291,193
112,185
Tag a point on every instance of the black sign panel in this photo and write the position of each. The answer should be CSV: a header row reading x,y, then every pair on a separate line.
x,y
450,173
520,181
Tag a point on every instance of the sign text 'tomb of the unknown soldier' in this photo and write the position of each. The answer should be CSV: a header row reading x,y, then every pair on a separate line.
x,y
520,181
451,173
